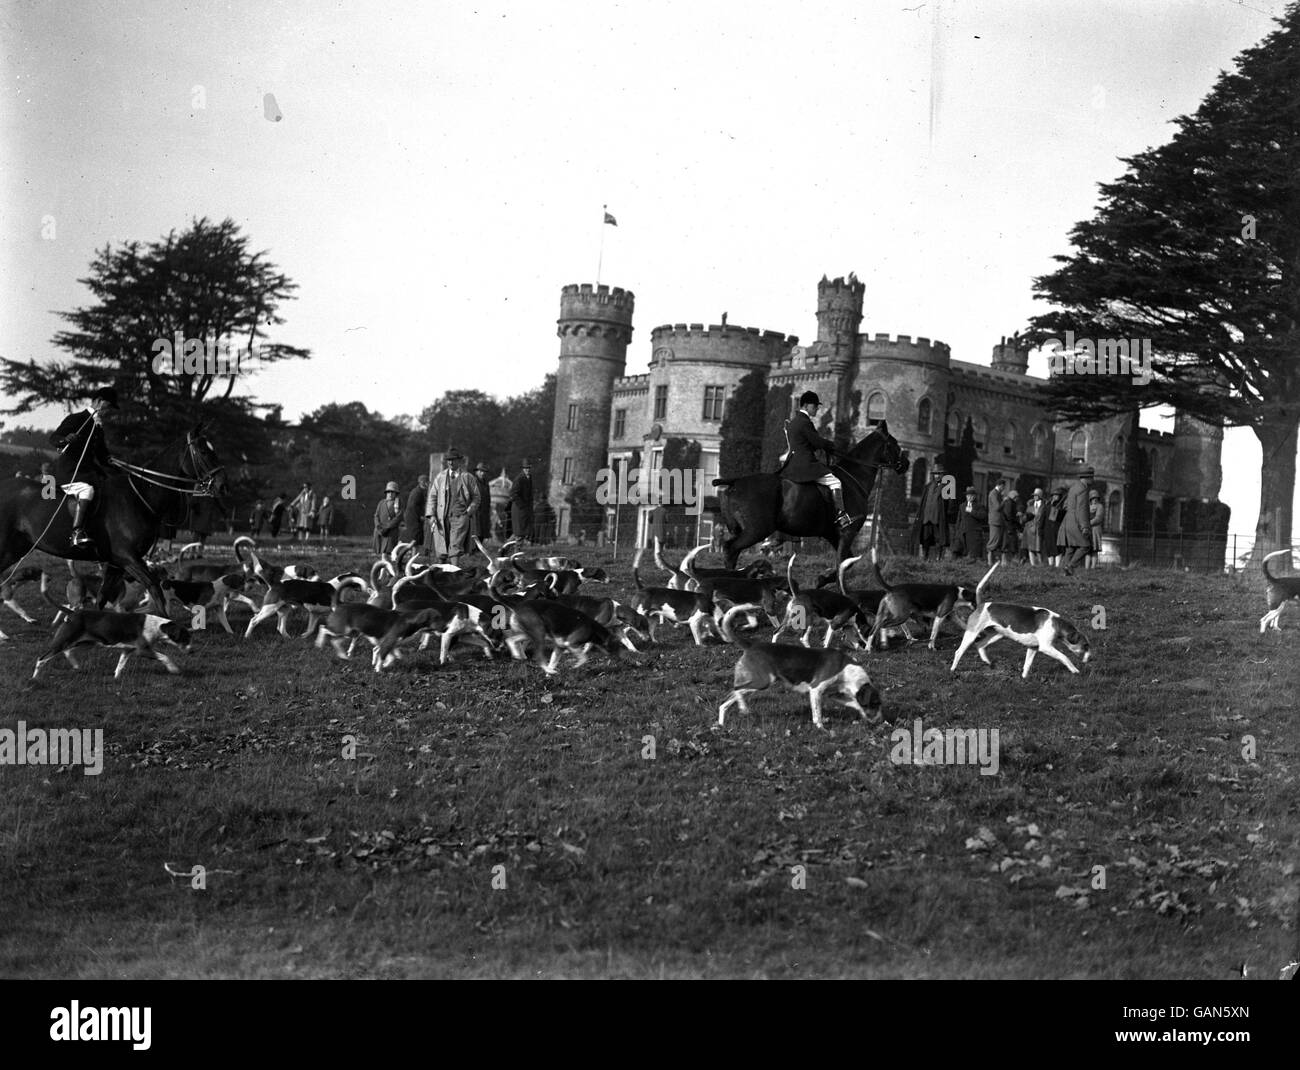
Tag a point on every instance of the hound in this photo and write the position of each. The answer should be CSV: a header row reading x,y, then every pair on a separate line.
x,y
667,606
1280,590
134,633
317,597
905,601
539,621
838,610
819,673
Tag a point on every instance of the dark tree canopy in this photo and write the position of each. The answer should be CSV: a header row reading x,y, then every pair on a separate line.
x,y
1197,248
741,449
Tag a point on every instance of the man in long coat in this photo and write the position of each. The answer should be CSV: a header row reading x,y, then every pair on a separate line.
x,y
931,526
413,519
484,526
971,517
455,509
997,523
521,503
1076,527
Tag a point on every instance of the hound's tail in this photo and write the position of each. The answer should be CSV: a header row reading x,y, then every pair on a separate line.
x,y
688,563
875,568
724,625
1264,564
979,587
636,566
789,578
341,583
845,565
676,572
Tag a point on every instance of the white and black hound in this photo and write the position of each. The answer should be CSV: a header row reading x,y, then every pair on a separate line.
x,y
1280,590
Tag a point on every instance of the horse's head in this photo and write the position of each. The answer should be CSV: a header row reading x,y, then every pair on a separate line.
x,y
201,463
881,450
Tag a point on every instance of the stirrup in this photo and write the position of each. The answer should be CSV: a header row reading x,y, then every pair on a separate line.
x,y
844,520
80,538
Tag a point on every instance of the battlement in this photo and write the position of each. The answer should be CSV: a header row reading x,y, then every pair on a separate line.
x,y
1151,435
680,332
631,384
852,286
583,300
903,347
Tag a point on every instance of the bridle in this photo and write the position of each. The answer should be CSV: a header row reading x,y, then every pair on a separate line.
x,y
200,485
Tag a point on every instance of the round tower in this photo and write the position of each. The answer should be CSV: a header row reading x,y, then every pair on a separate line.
x,y
1011,355
839,315
595,327
1198,467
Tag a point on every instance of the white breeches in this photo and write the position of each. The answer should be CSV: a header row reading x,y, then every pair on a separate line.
x,y
83,492
830,480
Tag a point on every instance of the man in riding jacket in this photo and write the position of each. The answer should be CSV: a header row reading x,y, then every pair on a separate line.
x,y
802,464
83,457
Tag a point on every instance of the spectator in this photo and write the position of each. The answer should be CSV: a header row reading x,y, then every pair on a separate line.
x,y
1097,518
388,520
1011,526
484,502
277,513
413,520
305,506
325,518
1034,515
969,541
1076,528
521,504
997,522
257,521
931,526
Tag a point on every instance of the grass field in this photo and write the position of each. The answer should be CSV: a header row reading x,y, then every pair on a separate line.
x,y
765,849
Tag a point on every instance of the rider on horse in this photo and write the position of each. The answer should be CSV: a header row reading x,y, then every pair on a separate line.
x,y
83,455
802,464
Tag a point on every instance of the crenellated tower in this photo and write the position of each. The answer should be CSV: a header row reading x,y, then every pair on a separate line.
x,y
1198,466
1011,355
595,327
839,317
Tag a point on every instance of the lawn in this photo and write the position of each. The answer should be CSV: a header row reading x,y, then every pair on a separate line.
x,y
480,820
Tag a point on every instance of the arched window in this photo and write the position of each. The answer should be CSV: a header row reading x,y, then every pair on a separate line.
x,y
1009,440
918,477
1114,511
981,428
875,408
1120,447
1078,446
1039,438
923,416
955,424
1155,458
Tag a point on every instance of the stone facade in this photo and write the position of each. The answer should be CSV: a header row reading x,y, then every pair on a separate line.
x,y
913,383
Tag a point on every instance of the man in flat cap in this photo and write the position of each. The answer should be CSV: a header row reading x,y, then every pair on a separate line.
x,y
521,503
1076,528
455,509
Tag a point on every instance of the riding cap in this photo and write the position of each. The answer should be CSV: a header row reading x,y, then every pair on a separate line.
x,y
105,393
808,397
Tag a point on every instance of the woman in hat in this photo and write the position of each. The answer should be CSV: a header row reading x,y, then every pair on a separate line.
x,y
388,520
325,518
1097,516
1035,514
83,458
1054,513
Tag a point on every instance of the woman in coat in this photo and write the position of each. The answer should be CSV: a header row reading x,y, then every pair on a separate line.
x,y
388,520
1097,515
1034,516
1053,513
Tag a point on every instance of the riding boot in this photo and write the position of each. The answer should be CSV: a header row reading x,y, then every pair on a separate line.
x,y
842,518
79,537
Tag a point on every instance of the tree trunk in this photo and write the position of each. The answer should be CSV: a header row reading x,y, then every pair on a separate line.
x,y
1276,486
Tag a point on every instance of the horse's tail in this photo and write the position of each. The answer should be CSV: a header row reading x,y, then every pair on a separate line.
x,y
240,543
875,568
1264,564
844,567
725,483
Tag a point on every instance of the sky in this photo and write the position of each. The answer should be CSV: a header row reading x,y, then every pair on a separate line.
x,y
441,169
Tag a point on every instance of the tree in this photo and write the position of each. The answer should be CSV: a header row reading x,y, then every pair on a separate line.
x,y
741,449
1197,248
960,459
470,420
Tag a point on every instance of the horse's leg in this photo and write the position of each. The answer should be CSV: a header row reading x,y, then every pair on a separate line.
x,y
133,565
111,587
742,540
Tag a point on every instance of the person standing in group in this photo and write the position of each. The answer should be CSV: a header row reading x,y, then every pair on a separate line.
x,y
325,518
305,506
455,510
1076,527
277,513
388,520
436,493
997,522
484,528
257,521
969,540
931,527
416,504
1034,516
1010,526
1097,519
1053,514
521,504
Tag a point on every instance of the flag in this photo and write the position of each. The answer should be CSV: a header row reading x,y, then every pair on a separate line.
x,y
611,220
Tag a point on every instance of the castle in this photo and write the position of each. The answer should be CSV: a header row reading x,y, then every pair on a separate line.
x,y
604,417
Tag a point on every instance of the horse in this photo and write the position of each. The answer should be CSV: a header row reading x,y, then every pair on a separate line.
x,y
130,506
755,506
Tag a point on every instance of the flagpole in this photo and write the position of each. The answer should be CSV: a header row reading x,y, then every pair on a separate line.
x,y
600,261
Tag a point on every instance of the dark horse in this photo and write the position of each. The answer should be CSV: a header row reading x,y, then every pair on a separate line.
x,y
129,507
755,506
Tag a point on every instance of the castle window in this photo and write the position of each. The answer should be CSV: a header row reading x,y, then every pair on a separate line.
x,y
1039,438
1114,511
1009,440
573,418
1154,458
1119,450
620,423
567,477
923,416
1078,447
981,428
875,408
954,427
918,477
661,402
713,398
